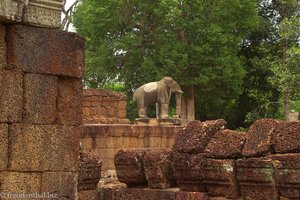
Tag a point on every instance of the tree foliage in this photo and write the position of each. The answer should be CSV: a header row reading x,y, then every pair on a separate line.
x,y
196,42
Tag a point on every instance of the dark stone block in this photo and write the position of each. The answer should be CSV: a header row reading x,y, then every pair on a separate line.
x,y
195,137
226,144
256,178
159,170
259,137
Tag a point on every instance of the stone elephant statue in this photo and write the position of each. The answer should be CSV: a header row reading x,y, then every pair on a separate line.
x,y
156,92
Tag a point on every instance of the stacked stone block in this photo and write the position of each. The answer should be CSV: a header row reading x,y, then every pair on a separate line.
x,y
230,164
89,176
104,107
40,101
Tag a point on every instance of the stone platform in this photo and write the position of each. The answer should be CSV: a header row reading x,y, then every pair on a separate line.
x,y
157,122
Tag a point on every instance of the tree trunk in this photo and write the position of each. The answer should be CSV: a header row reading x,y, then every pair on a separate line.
x,y
286,104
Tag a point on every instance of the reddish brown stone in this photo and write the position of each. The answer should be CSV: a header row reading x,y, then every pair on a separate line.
x,y
20,183
40,98
3,60
11,96
181,195
259,137
287,137
129,166
226,144
43,148
3,146
287,172
159,170
195,137
188,171
61,184
45,51
89,172
146,194
256,179
220,178
69,101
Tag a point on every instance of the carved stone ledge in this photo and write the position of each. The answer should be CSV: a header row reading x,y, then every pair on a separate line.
x,y
43,13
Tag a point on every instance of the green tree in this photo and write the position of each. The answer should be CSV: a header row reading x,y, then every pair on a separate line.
x,y
196,42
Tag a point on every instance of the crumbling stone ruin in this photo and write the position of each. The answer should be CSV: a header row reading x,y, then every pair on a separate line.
x,y
208,161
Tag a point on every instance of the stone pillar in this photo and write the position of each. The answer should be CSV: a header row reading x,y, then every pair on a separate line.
x,y
40,106
188,105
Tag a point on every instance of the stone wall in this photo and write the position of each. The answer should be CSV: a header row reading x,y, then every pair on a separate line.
x,y
209,162
104,107
106,140
40,102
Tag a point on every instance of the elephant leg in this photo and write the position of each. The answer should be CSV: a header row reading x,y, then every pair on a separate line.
x,y
164,110
142,112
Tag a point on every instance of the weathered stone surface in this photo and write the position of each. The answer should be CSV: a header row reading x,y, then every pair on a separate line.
x,y
159,170
3,60
43,13
19,182
69,101
226,144
287,172
56,53
40,98
188,171
259,137
11,10
11,96
256,179
44,148
181,195
220,178
130,167
87,195
142,194
3,146
63,184
287,137
195,137
89,172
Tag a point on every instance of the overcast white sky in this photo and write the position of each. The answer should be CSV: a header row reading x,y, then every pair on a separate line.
x,y
68,4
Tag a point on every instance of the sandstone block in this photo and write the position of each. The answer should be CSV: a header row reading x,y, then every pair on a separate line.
x,y
129,166
69,101
146,194
121,113
89,172
18,182
220,178
3,146
11,96
191,196
159,170
40,98
43,13
195,137
259,137
87,195
3,60
188,171
44,148
11,10
256,178
56,53
287,172
287,137
61,184
226,144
